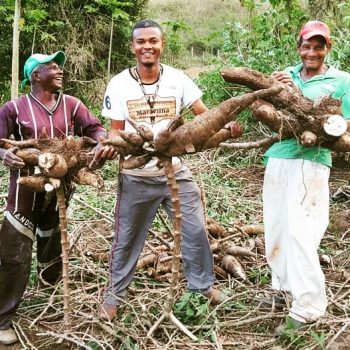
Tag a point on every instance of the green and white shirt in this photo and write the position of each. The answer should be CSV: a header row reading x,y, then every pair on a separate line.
x,y
333,82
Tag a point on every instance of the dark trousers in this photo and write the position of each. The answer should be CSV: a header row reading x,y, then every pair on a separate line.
x,y
17,233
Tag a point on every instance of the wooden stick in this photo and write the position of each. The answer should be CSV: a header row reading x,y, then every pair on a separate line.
x,y
164,223
341,330
108,218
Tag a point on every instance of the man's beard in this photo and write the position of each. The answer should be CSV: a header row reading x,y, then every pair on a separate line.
x,y
148,64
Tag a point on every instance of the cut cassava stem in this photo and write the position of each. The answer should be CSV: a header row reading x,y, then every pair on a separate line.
x,y
65,266
174,191
203,197
167,310
48,196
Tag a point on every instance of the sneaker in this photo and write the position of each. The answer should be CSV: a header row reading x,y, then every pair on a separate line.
x,y
216,297
108,312
292,325
8,336
275,302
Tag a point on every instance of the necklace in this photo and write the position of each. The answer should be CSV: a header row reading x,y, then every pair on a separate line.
x,y
149,98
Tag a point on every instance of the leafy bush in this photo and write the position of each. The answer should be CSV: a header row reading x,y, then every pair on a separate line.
x,y
268,43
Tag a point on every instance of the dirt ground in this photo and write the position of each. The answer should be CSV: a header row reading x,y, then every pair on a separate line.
x,y
194,72
236,324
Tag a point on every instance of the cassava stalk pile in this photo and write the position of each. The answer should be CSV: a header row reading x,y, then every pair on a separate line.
x,y
238,323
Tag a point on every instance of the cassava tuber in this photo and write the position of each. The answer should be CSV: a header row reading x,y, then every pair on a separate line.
x,y
239,251
260,245
145,132
234,267
308,139
149,259
34,183
292,115
215,229
52,165
253,229
86,176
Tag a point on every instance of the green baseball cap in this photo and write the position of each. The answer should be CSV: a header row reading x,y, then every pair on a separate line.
x,y
59,57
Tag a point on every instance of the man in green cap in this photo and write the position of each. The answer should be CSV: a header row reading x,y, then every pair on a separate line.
x,y
43,108
33,61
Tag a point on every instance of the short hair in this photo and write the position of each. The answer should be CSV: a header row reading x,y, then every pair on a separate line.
x,y
146,23
36,69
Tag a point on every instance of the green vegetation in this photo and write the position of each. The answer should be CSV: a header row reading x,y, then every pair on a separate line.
x,y
192,309
256,34
81,29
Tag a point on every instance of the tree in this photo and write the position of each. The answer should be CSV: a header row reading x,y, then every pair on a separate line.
x,y
81,29
15,49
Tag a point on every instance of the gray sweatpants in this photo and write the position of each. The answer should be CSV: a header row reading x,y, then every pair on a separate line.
x,y
138,199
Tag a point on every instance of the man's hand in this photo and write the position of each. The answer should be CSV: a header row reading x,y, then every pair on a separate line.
x,y
282,77
235,128
11,161
101,154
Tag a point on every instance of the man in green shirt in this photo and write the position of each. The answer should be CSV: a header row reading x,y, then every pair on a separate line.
x,y
296,191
